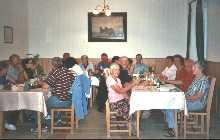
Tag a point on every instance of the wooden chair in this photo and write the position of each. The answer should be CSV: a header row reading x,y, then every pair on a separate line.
x,y
113,125
200,121
68,116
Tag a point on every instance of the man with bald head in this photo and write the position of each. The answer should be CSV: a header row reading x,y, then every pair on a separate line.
x,y
124,75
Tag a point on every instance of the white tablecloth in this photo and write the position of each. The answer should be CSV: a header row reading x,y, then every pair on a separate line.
x,y
10,100
147,99
94,82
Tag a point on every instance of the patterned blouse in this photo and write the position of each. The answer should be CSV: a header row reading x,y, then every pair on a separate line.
x,y
60,81
199,85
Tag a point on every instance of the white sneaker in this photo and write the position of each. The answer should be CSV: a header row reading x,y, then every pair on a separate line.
x,y
10,127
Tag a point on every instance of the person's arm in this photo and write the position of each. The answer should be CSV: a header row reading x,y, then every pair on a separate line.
x,y
125,89
195,97
175,82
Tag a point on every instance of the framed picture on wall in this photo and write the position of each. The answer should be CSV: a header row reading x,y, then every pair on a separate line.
x,y
8,34
102,28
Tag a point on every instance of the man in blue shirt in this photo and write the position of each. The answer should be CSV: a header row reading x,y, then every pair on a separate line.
x,y
196,94
139,66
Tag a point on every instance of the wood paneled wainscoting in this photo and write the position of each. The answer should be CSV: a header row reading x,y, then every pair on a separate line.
x,y
214,70
158,64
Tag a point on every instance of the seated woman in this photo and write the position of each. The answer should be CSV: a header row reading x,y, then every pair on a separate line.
x,y
196,94
15,75
87,67
60,80
118,95
32,67
169,73
184,76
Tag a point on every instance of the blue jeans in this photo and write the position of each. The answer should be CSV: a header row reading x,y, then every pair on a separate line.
x,y
11,117
53,102
191,106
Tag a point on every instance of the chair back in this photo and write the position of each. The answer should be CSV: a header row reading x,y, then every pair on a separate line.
x,y
107,107
210,94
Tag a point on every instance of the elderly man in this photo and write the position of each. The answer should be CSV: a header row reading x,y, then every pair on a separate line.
x,y
196,94
124,75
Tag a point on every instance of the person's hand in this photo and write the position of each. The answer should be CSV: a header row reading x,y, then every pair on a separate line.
x,y
137,81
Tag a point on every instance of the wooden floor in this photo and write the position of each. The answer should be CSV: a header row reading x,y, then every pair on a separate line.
x,y
93,127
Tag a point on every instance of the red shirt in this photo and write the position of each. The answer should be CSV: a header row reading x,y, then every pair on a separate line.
x,y
186,77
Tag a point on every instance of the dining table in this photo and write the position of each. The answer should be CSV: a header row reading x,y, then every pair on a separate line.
x,y
167,96
22,100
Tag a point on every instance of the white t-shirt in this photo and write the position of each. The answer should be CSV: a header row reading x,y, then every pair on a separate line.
x,y
77,69
170,72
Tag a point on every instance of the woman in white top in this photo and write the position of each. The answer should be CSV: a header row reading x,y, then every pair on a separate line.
x,y
169,73
87,67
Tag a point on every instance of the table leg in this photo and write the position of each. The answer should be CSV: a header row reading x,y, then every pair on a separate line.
x,y
176,125
1,123
138,124
39,124
91,97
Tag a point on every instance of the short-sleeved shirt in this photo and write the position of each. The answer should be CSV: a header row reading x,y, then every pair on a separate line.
x,y
12,73
102,65
199,85
86,68
186,77
170,72
140,68
113,96
60,81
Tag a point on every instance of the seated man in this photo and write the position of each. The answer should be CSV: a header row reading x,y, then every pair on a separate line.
x,y
196,94
124,75
104,63
139,66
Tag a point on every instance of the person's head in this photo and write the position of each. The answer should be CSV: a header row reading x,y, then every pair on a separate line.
x,y
200,67
188,64
114,70
84,59
115,59
139,58
104,57
178,60
69,63
169,61
27,63
66,56
124,61
45,88
57,62
14,59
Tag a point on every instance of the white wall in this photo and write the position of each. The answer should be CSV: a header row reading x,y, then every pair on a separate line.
x,y
213,30
156,28
14,13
